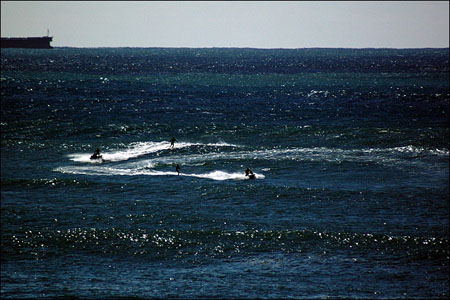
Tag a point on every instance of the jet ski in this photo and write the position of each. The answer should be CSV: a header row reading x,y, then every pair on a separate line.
x,y
96,156
250,174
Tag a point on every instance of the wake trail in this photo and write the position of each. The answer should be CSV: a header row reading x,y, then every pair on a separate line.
x,y
139,149
107,171
398,156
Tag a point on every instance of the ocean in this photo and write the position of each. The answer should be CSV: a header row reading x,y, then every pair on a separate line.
x,y
349,147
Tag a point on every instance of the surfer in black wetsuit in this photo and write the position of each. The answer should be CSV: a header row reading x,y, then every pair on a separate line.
x,y
172,142
177,168
249,173
96,154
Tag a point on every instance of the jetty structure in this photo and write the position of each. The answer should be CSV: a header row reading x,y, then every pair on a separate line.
x,y
27,42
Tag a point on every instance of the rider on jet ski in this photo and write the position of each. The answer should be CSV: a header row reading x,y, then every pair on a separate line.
x,y
96,154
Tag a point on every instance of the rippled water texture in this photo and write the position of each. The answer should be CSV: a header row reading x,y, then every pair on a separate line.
x,y
350,148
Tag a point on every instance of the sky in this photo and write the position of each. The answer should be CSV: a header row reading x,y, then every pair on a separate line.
x,y
253,24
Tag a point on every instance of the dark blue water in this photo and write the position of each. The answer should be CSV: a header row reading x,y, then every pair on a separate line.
x,y
350,149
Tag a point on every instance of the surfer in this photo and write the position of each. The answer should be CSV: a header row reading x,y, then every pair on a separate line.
x,y
177,168
172,142
96,154
249,173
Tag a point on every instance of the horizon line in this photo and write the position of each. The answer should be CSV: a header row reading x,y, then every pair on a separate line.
x,y
257,48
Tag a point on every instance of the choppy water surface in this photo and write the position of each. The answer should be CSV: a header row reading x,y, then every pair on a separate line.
x,y
349,148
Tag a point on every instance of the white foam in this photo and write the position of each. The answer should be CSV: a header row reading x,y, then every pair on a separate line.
x,y
414,149
377,155
221,175
133,151
139,149
389,156
107,171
